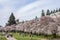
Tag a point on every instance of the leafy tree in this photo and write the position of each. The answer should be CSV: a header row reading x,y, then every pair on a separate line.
x,y
59,9
0,26
43,13
11,20
36,18
48,12
54,11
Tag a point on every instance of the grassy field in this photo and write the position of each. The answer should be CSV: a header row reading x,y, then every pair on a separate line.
x,y
2,37
20,36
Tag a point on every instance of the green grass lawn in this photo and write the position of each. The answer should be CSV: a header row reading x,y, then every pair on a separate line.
x,y
19,36
2,37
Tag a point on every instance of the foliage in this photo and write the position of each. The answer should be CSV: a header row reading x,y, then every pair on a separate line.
x,y
43,13
54,11
59,9
36,18
11,20
48,12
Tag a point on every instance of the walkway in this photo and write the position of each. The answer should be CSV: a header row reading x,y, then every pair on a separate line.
x,y
9,37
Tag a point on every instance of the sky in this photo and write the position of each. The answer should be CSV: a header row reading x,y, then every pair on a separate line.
x,y
25,9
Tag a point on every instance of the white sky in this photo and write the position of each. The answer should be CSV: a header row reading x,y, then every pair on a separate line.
x,y
25,9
